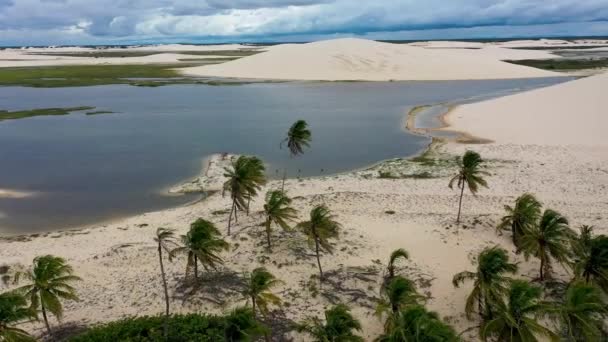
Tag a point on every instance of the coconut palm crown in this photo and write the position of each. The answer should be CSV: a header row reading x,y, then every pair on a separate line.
x,y
14,310
298,137
339,326
521,217
319,229
582,313
396,255
278,211
259,284
469,175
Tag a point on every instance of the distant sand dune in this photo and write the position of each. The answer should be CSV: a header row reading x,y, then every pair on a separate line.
x,y
360,59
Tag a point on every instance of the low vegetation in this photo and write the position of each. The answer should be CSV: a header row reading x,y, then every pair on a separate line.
x,y
21,114
563,64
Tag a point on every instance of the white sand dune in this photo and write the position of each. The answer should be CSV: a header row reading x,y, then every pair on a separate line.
x,y
359,59
569,113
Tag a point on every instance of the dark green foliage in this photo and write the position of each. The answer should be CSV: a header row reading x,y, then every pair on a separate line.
x,y
319,229
490,281
21,114
278,211
563,64
240,325
14,310
245,178
395,255
259,284
298,137
582,313
339,326
417,324
591,259
522,217
469,175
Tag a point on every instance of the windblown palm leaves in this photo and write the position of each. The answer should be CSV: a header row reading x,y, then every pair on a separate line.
x,y
469,175
51,278
259,284
522,217
319,229
397,295
549,240
13,310
297,138
339,326
278,211
582,313
202,243
165,240
396,255
591,260
516,320
418,324
243,326
244,179
490,281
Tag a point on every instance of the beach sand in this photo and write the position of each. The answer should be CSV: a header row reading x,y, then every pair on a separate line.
x,y
545,142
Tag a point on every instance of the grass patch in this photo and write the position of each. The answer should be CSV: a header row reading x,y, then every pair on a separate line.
x,y
563,64
21,114
131,53
98,112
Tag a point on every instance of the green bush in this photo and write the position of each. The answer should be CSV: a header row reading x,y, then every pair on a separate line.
x,y
239,325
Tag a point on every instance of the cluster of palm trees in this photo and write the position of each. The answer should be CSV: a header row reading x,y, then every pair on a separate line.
x,y
517,310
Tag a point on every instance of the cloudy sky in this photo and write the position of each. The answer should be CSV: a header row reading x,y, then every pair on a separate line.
x,y
46,22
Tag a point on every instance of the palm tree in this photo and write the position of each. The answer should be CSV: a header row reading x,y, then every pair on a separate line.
x,y
298,137
549,239
398,294
319,229
202,243
165,240
13,309
241,325
582,313
278,211
259,284
490,281
583,242
245,179
591,261
521,217
397,254
516,320
339,326
469,175
416,323
51,277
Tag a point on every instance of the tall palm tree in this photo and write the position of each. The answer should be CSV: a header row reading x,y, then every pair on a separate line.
x,y
278,211
245,178
550,239
241,325
582,313
202,243
13,310
51,277
591,261
470,175
398,294
396,255
416,323
490,281
165,240
339,326
516,320
259,284
319,229
521,217
298,137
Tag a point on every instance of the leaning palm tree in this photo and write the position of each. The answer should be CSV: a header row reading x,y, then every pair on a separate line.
x,y
165,240
521,217
396,255
202,243
51,277
13,310
398,294
259,284
278,211
516,320
319,229
470,175
490,281
245,178
582,313
297,138
591,261
550,239
339,326
416,323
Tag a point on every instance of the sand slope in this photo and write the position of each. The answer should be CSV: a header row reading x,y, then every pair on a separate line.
x,y
359,59
568,113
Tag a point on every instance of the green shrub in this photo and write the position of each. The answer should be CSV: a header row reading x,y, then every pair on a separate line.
x,y
239,325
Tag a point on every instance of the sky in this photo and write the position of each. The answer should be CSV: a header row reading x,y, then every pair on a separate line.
x,y
71,22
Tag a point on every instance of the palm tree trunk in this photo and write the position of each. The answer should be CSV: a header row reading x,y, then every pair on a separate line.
x,y
248,201
230,217
318,258
460,203
480,308
268,222
391,271
542,267
46,320
253,306
284,176
162,272
195,268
